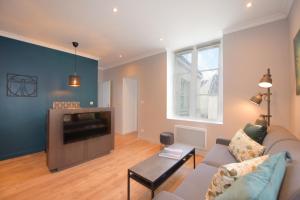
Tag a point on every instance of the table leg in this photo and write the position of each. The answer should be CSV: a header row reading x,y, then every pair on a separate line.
x,y
194,158
128,185
152,194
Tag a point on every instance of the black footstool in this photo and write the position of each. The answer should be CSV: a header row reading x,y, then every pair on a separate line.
x,y
167,138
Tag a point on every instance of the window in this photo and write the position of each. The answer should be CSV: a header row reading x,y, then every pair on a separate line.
x,y
194,84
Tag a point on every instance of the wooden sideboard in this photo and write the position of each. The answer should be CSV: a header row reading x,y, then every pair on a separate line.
x,y
60,155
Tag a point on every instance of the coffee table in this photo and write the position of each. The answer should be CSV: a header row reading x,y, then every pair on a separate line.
x,y
155,170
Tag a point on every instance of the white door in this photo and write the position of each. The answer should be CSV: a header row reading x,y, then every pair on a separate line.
x,y
129,105
106,94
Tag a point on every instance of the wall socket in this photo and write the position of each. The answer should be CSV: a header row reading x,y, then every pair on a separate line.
x,y
91,103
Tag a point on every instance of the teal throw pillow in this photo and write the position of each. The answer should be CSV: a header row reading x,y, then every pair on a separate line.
x,y
256,132
264,183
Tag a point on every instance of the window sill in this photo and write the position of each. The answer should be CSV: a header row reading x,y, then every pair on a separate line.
x,y
196,120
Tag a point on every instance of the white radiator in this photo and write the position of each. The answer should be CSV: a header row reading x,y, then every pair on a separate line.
x,y
193,136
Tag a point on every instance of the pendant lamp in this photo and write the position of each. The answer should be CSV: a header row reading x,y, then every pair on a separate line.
x,y
74,79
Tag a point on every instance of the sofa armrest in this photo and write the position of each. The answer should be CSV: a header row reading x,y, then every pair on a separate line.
x,y
167,196
222,141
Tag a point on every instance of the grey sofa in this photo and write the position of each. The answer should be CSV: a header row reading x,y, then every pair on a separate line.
x,y
278,139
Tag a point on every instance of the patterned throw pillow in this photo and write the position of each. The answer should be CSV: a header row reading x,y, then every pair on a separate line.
x,y
244,148
228,174
264,183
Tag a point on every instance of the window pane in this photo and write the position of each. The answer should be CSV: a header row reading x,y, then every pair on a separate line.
x,y
208,82
185,58
207,107
207,94
195,86
182,82
208,58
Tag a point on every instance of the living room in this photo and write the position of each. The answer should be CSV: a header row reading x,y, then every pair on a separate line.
x,y
94,94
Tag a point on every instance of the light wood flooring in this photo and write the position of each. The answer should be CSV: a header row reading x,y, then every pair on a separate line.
x,y
104,178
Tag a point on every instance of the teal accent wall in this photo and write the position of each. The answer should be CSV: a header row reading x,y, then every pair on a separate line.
x,y
23,120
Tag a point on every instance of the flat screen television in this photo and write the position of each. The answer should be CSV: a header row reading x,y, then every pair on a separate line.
x,y
82,126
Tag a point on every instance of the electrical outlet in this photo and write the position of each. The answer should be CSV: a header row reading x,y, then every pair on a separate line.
x,y
91,103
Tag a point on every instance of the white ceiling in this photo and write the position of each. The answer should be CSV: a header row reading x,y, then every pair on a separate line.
x,y
135,30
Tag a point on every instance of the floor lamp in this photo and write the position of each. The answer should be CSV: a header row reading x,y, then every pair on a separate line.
x,y
265,82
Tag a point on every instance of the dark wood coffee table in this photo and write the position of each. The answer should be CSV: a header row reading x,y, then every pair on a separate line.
x,y
155,170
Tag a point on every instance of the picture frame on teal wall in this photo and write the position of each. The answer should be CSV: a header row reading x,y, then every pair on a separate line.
x,y
297,61
21,85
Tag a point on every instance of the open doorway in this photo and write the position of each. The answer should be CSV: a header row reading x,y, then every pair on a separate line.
x,y
106,94
129,106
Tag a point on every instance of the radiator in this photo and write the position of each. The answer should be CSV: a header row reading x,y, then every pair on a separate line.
x,y
193,136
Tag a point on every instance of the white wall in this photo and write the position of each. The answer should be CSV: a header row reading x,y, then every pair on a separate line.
x,y
294,26
247,54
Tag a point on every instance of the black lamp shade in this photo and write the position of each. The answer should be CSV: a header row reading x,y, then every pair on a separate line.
x,y
257,99
74,81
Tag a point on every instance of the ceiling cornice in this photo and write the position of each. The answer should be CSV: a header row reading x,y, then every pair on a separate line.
x,y
44,44
252,24
286,8
126,61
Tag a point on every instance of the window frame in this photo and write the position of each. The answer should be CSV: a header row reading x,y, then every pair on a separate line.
x,y
171,98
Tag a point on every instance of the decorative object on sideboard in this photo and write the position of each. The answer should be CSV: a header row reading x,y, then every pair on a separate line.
x,y
65,105
74,79
21,85
297,61
265,82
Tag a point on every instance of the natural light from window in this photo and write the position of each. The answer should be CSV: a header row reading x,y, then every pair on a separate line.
x,y
195,84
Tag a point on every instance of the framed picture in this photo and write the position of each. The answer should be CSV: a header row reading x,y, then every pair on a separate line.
x,y
297,61
21,85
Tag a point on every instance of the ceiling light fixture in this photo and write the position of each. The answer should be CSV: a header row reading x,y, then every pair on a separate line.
x,y
74,79
249,4
115,10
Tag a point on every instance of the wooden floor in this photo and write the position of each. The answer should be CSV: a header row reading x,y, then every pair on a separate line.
x,y
27,177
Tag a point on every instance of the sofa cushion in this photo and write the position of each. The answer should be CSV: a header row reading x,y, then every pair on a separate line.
x,y
243,147
290,188
219,155
228,174
276,134
194,187
256,132
263,183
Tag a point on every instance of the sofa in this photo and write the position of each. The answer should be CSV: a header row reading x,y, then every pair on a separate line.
x,y
278,139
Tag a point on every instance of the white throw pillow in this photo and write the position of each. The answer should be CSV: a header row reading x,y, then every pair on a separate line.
x,y
228,174
244,148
